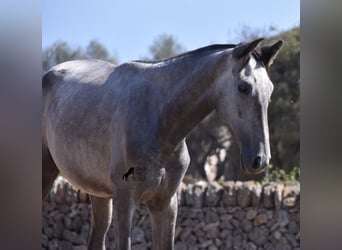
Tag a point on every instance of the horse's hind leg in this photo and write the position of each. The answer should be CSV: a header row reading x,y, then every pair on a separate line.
x,y
163,223
100,221
49,171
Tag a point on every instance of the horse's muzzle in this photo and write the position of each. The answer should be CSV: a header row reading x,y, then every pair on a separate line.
x,y
256,166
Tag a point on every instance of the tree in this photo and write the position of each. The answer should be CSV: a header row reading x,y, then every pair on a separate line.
x,y
165,46
60,52
284,109
97,50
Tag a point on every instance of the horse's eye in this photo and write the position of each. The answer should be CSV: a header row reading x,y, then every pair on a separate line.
x,y
244,89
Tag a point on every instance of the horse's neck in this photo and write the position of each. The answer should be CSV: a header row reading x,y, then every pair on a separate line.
x,y
191,97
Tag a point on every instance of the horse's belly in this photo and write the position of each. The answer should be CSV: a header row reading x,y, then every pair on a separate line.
x,y
86,167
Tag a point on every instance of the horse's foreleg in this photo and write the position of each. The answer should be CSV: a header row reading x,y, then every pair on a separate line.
x,y
123,208
101,219
163,223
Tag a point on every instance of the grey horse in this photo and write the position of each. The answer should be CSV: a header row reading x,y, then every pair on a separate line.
x,y
118,132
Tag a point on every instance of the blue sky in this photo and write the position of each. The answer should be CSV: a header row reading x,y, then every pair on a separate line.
x,y
127,28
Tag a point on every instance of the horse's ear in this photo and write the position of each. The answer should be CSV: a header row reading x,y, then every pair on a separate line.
x,y
269,53
243,50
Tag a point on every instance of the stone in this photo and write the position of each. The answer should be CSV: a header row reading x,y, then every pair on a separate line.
x,y
67,222
198,227
180,245
292,239
83,197
218,242
45,241
213,194
237,242
64,208
72,237
260,219
289,202
291,190
235,223
48,231
282,244
224,234
228,196
256,194
53,244
247,226
212,233
178,230
211,215
282,218
138,235
276,235
212,247
148,233
278,195
59,191
57,229
191,241
293,227
83,247
226,217
247,245
251,213
275,226
65,245
269,214
181,194
222,218
195,194
210,226
76,223
111,245
206,244
259,235
229,242
139,246
268,195
244,198
185,233
239,215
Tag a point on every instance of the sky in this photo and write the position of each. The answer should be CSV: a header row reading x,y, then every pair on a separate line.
x,y
128,28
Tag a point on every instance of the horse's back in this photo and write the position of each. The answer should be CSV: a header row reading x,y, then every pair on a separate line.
x,y
75,84
93,72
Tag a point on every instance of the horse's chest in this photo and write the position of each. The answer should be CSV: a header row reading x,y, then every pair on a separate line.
x,y
162,180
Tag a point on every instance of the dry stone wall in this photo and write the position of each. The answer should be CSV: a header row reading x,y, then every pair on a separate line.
x,y
235,215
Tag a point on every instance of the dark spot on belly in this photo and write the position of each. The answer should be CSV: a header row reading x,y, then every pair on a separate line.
x,y
128,173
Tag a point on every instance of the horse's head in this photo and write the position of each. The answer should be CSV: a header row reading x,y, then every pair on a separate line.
x,y
244,94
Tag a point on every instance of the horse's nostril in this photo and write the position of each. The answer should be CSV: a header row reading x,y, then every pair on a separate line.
x,y
257,163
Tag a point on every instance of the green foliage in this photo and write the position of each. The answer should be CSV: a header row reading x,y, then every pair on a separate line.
x,y
165,46
60,52
97,50
284,116
280,175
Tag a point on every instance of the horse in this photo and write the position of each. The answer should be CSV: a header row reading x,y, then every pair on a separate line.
x,y
118,132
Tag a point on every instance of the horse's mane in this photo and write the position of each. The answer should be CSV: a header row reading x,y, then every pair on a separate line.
x,y
203,50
